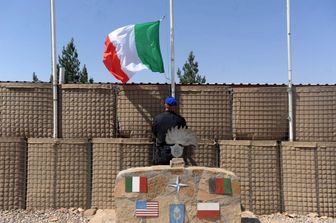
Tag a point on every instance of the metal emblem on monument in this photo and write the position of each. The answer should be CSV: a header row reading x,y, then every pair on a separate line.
x,y
176,151
180,138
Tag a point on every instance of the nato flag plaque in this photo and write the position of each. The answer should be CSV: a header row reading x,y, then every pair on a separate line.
x,y
176,213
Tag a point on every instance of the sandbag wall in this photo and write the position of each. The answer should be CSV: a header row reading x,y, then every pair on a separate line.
x,y
59,173
257,164
309,177
12,173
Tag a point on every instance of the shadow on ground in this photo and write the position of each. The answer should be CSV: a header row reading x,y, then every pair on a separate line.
x,y
250,220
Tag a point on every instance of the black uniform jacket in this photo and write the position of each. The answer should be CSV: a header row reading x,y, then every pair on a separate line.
x,y
163,122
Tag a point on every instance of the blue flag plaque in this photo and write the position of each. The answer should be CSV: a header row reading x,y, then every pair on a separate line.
x,y
176,213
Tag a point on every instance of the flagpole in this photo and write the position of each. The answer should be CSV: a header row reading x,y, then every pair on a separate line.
x,y
172,51
54,70
290,87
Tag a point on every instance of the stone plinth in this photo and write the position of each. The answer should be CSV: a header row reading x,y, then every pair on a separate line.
x,y
196,190
177,162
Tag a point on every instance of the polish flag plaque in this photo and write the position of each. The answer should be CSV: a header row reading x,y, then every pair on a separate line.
x,y
208,210
145,208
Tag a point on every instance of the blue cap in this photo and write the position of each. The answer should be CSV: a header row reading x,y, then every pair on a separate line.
x,y
171,101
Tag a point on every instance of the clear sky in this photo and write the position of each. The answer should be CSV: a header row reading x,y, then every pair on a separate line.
x,y
234,41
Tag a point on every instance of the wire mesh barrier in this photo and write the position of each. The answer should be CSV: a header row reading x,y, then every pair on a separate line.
x,y
260,113
206,154
87,111
214,112
26,110
59,173
207,110
315,116
309,181
326,164
12,173
257,164
137,106
106,163
298,177
111,156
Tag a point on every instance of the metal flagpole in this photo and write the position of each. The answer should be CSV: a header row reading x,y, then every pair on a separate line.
x,y
290,88
172,51
53,61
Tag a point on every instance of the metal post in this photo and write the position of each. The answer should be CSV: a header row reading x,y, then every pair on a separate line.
x,y
61,75
290,88
54,69
172,51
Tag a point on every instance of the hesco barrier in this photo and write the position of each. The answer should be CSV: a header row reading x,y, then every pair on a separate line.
x,y
206,154
12,173
309,177
109,156
26,110
296,177
137,106
214,112
260,113
207,110
257,164
87,111
315,113
59,173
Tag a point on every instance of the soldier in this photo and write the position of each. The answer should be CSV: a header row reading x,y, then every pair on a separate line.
x,y
162,123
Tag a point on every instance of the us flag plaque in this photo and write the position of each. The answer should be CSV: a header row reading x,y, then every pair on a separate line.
x,y
145,208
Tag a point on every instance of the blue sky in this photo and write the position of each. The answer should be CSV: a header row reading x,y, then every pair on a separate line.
x,y
234,41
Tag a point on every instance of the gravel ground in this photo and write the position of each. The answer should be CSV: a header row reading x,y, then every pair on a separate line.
x,y
45,216
74,215
249,217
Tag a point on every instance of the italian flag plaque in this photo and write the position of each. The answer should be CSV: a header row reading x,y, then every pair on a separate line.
x,y
136,184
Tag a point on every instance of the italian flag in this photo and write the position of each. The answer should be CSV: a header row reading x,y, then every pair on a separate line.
x,y
133,48
136,184
208,210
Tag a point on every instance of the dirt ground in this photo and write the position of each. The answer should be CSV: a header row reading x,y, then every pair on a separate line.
x,y
74,215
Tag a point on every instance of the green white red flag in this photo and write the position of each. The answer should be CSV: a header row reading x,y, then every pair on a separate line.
x,y
133,48
136,184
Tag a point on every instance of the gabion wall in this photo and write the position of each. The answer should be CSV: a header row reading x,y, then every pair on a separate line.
x,y
315,113
137,106
207,110
87,111
206,154
59,173
257,164
12,173
260,113
109,156
26,110
214,112
309,177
